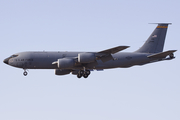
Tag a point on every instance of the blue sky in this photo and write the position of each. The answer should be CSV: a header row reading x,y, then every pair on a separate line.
x,y
141,92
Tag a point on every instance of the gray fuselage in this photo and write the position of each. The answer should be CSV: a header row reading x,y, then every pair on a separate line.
x,y
81,63
44,60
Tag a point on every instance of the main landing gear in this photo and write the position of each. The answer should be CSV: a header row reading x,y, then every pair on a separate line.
x,y
25,72
84,73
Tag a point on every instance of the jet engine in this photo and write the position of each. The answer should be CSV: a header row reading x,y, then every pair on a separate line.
x,y
65,63
62,72
86,57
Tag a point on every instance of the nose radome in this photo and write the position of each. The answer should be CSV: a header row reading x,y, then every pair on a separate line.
x,y
6,60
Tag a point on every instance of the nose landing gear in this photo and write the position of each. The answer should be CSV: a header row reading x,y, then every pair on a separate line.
x,y
25,73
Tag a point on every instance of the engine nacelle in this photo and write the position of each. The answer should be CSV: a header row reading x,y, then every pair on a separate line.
x,y
65,63
75,72
86,57
62,72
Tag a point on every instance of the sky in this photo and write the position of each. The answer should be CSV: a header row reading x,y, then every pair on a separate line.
x,y
149,92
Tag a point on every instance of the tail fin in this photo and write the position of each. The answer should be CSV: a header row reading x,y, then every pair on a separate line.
x,y
155,42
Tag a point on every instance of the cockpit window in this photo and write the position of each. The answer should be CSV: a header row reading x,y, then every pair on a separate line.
x,y
12,56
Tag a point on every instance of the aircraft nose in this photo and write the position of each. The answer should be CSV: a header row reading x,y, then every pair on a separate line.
x,y
6,61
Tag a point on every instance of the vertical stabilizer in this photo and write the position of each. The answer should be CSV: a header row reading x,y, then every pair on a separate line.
x,y
155,42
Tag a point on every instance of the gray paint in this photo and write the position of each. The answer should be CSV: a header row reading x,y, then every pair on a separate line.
x,y
110,58
155,42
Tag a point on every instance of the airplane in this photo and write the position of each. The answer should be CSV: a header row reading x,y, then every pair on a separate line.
x,y
82,63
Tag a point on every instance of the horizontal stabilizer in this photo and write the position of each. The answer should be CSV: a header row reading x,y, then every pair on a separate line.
x,y
114,50
162,54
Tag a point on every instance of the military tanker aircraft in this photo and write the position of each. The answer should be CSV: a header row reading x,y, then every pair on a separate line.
x,y
82,63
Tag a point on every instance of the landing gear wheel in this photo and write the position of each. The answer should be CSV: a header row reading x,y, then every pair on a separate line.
x,y
79,75
85,75
81,72
25,73
87,72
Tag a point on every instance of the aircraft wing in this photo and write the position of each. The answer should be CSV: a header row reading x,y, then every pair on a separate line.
x,y
162,54
113,50
105,55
